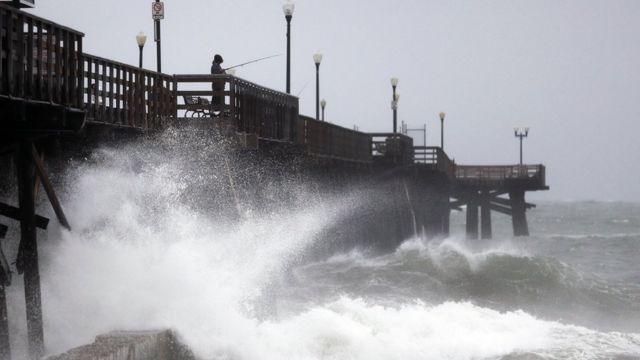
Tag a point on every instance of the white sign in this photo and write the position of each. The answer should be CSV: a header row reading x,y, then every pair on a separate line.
x,y
157,10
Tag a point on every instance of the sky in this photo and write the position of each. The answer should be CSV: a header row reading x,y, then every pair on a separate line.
x,y
568,69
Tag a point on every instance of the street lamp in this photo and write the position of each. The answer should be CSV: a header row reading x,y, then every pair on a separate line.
x,y
394,103
323,103
442,115
158,44
141,39
317,58
521,133
288,8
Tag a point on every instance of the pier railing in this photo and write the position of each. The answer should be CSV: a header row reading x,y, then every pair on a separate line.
x,y
125,95
492,175
436,157
324,139
392,148
39,59
255,109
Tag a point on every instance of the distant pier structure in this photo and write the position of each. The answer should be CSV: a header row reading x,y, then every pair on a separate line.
x,y
53,93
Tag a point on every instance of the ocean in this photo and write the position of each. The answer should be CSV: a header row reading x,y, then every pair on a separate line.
x,y
145,253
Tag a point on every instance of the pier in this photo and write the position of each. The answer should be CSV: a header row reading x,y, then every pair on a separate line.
x,y
53,93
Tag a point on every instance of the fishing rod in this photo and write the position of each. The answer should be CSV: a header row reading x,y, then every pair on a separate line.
x,y
301,90
252,61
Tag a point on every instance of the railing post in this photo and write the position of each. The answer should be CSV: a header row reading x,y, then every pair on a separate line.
x,y
175,97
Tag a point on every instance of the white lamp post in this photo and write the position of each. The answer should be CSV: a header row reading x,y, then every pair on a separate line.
x,y
141,39
394,103
317,58
442,115
288,8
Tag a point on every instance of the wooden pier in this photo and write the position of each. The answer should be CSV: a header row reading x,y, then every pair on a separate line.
x,y
51,89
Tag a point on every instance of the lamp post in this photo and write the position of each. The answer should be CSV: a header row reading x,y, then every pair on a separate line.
x,y
442,115
323,103
141,39
158,45
394,103
317,58
521,133
394,107
288,8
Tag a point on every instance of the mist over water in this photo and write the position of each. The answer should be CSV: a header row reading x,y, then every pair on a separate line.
x,y
169,234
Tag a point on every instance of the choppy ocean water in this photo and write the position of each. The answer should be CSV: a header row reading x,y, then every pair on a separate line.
x,y
141,257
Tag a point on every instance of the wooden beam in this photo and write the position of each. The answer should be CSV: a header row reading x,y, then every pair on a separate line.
x,y
501,209
14,213
28,249
5,346
519,217
485,220
507,202
48,187
472,221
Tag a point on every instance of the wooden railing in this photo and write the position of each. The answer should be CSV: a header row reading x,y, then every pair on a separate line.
x,y
255,109
39,60
492,174
324,139
436,157
392,148
269,113
120,94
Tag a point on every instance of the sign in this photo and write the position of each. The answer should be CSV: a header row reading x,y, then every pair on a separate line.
x,y
157,10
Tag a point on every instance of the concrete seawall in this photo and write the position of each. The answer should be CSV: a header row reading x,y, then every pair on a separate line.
x,y
131,345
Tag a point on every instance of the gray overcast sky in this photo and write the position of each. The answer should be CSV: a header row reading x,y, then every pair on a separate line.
x,y
568,69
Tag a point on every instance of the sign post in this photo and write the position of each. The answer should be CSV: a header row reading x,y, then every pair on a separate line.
x,y
157,14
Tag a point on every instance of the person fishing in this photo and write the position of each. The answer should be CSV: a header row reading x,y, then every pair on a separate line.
x,y
216,69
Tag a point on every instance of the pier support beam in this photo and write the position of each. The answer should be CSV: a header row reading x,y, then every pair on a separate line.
x,y
485,217
519,217
5,349
27,261
446,228
472,220
5,279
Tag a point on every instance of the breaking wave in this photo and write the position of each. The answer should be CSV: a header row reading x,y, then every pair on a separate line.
x,y
147,251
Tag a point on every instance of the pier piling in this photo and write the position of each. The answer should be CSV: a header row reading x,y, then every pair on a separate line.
x,y
519,217
485,217
27,262
472,220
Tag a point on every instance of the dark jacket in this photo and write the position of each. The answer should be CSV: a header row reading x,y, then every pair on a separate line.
x,y
216,69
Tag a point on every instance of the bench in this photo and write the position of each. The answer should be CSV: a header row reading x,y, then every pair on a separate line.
x,y
197,105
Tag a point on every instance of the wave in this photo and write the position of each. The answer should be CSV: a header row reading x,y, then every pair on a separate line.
x,y
499,274
612,236
355,329
146,252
